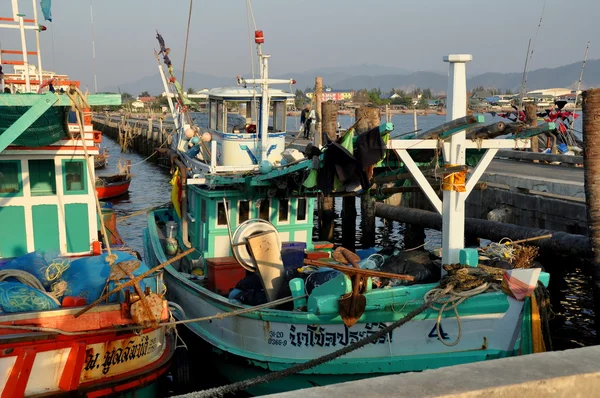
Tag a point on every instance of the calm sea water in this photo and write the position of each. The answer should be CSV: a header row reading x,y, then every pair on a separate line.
x,y
572,325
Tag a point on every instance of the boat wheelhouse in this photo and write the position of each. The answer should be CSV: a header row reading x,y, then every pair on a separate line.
x,y
65,326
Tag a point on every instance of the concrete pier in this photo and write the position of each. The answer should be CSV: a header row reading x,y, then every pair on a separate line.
x,y
570,374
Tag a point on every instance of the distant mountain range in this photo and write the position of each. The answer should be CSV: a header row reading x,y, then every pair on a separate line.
x,y
387,78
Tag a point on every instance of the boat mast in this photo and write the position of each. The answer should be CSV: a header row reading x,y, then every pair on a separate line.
x,y
37,43
19,18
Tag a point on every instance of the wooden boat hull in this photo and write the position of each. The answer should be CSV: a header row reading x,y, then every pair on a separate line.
x,y
112,189
92,365
492,327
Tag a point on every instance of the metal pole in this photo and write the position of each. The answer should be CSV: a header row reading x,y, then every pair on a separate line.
x,y
264,108
37,42
24,49
93,48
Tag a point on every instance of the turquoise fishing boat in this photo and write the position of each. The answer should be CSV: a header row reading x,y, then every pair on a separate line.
x,y
71,321
267,298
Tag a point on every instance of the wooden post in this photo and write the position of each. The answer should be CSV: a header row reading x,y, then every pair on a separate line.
x,y
318,138
531,120
326,212
329,113
370,118
591,160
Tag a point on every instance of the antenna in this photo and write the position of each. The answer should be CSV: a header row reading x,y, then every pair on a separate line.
x,y
93,48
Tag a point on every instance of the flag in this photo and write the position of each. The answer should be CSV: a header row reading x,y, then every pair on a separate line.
x,y
46,4
176,192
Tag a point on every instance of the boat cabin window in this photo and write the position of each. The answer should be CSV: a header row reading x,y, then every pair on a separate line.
x,y
279,116
74,176
284,209
10,178
212,120
42,177
301,209
221,216
263,212
221,116
243,211
203,210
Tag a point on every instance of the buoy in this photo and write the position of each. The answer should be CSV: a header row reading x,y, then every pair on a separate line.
x,y
189,133
206,137
265,167
195,139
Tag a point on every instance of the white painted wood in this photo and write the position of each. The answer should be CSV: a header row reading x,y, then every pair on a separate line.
x,y
468,144
453,213
222,246
420,179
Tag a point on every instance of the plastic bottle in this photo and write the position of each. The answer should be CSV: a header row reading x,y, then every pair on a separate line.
x,y
374,261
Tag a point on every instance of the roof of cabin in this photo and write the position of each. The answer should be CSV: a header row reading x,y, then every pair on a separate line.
x,y
238,93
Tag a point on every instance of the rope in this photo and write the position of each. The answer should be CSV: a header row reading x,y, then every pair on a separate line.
x,y
27,279
220,315
142,211
245,384
450,300
111,257
153,153
187,35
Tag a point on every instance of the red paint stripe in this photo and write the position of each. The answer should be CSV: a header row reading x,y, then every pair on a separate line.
x,y
54,148
17,52
6,62
13,20
72,372
19,374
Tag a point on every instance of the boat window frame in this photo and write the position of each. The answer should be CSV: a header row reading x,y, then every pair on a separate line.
x,y
83,191
220,116
53,170
212,114
305,219
287,214
240,213
203,210
19,193
260,205
224,224
279,116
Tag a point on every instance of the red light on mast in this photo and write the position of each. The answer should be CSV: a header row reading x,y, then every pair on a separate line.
x,y
258,37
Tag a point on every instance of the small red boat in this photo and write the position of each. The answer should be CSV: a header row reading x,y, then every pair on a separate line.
x,y
112,185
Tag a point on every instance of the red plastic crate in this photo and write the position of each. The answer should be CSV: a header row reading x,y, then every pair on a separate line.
x,y
223,274
316,255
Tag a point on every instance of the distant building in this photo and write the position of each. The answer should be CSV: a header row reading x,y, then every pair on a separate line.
x,y
330,94
554,92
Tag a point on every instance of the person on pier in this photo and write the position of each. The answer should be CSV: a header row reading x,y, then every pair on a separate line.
x,y
306,119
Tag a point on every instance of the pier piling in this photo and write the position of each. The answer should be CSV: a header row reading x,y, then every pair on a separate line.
x,y
326,212
370,117
591,159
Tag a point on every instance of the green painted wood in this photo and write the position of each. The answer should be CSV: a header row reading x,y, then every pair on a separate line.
x,y
74,175
6,188
38,107
542,128
77,227
13,238
45,227
386,127
60,99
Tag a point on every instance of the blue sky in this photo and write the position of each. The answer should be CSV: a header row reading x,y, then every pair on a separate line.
x,y
308,34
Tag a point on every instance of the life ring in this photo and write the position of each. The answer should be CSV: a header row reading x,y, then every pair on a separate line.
x,y
246,229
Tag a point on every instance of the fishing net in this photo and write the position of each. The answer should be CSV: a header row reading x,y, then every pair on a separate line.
x,y
17,297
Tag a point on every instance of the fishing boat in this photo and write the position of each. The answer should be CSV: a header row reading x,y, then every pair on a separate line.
x,y
267,298
101,160
112,186
72,320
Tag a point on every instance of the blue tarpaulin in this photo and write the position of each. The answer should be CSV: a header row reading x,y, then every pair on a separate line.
x,y
46,4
